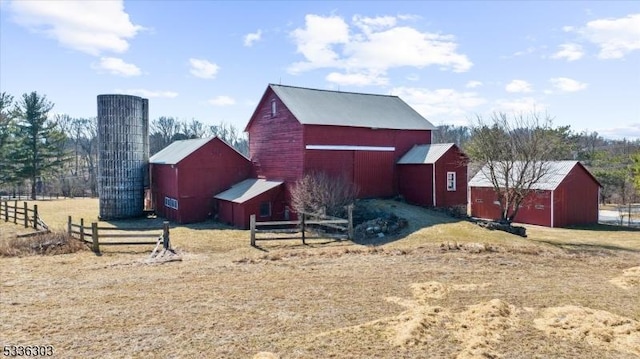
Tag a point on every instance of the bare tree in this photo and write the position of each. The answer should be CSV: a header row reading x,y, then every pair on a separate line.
x,y
193,129
163,132
515,153
320,194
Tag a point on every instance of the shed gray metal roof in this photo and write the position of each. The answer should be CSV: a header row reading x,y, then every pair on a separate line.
x,y
425,154
556,172
178,150
335,108
246,190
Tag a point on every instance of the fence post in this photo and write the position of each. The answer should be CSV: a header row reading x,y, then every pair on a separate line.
x,y
302,226
26,215
81,229
94,237
69,226
6,211
165,235
252,225
35,217
350,217
15,212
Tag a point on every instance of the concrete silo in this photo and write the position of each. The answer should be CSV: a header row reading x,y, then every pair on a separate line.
x,y
123,155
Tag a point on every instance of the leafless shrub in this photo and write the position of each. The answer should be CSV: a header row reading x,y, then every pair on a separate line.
x,y
320,193
45,244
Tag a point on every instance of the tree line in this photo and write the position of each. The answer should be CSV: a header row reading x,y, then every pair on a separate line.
x,y
615,163
49,154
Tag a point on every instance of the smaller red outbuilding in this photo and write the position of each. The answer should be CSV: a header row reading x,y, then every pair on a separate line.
x,y
434,175
187,174
256,196
566,195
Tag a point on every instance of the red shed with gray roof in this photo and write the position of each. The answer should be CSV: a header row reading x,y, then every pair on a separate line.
x,y
187,174
434,175
263,198
566,195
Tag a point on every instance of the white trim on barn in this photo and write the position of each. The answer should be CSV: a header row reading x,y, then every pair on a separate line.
x,y
552,209
350,148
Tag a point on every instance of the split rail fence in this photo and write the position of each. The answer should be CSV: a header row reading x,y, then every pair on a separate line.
x,y
298,229
97,236
10,211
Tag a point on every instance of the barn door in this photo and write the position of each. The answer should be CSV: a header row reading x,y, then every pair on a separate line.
x,y
373,173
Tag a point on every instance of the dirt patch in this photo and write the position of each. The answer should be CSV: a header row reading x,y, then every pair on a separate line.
x,y
630,278
266,355
597,327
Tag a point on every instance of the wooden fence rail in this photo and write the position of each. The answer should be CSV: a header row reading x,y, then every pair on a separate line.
x,y
10,211
96,234
298,228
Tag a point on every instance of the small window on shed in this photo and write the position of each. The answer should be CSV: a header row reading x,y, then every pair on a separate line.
x,y
265,209
539,206
274,109
451,181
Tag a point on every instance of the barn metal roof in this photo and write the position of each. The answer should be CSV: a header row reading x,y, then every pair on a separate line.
x,y
557,171
246,190
178,150
425,154
336,108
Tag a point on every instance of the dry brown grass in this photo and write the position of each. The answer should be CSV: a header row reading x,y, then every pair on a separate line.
x,y
446,289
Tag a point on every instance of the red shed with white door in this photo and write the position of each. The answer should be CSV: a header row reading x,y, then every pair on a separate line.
x,y
566,195
187,174
434,175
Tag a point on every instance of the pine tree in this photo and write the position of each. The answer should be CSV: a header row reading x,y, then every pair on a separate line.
x,y
39,150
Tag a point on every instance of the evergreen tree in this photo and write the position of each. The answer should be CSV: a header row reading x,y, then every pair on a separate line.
x,y
39,149
8,173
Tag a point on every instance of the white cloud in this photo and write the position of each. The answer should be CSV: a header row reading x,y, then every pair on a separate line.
x,y
251,38
518,86
630,132
116,66
91,27
615,37
357,79
473,84
444,104
203,68
521,105
148,93
569,52
222,101
566,84
361,51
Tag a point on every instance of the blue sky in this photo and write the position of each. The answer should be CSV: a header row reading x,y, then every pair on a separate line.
x,y
212,60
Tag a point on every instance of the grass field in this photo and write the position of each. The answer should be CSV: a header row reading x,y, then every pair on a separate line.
x,y
442,289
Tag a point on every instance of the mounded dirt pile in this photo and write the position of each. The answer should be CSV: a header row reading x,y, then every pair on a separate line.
x,y
596,327
630,278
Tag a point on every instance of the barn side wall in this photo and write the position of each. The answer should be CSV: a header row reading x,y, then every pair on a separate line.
x,y
576,199
415,183
275,143
536,208
451,161
164,184
209,170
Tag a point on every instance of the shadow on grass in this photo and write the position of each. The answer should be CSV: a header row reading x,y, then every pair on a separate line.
x,y
605,228
588,247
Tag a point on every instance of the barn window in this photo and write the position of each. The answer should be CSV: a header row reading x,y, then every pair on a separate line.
x,y
451,181
479,200
539,206
273,108
171,202
265,209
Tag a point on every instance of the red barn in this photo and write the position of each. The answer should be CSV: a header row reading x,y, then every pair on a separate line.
x,y
361,137
187,174
567,195
434,175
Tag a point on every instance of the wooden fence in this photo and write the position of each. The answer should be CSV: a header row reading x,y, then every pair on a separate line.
x,y
297,229
10,211
95,235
